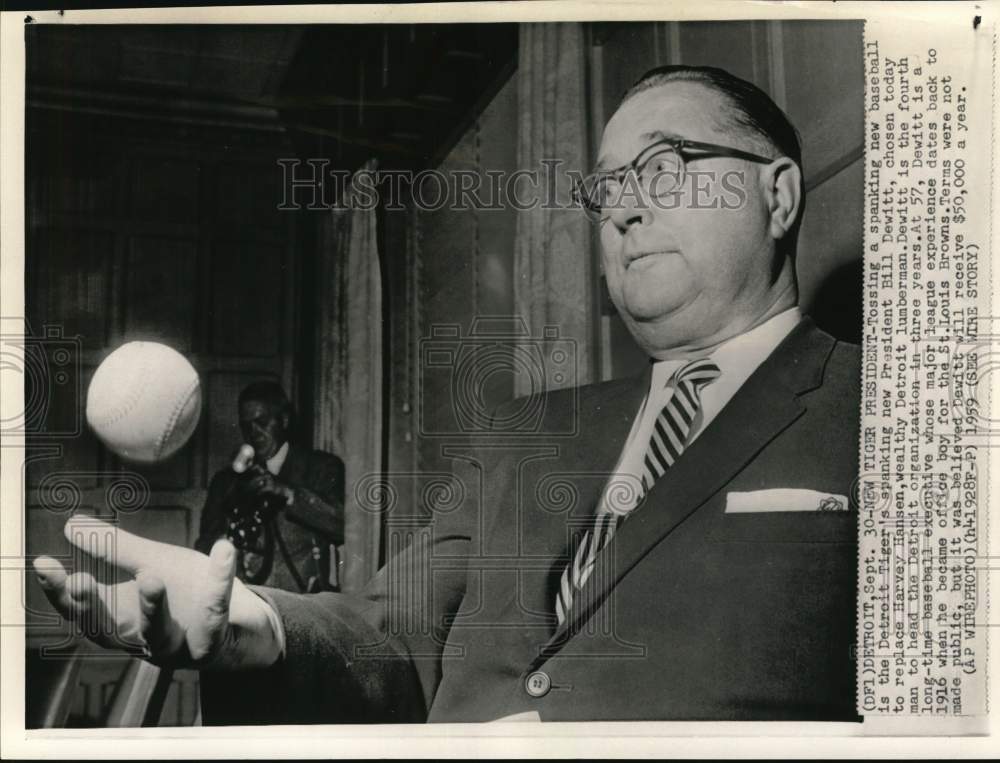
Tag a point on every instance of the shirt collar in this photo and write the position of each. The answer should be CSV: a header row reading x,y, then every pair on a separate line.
x,y
275,462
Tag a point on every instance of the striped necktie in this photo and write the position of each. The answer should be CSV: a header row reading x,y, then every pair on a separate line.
x,y
667,442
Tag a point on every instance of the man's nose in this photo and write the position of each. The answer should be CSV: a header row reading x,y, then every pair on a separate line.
x,y
630,209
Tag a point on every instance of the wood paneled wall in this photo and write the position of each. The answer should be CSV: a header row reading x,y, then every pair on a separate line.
x,y
447,267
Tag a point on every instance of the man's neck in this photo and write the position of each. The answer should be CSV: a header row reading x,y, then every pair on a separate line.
x,y
704,346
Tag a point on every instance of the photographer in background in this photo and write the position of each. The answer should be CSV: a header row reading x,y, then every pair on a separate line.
x,y
282,506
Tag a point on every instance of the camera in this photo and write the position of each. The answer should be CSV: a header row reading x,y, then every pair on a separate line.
x,y
462,376
250,526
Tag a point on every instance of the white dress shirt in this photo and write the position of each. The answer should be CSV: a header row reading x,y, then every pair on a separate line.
x,y
736,358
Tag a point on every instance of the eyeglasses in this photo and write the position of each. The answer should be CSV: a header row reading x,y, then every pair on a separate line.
x,y
660,169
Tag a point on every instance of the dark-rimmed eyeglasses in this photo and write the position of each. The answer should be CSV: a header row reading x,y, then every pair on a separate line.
x,y
659,168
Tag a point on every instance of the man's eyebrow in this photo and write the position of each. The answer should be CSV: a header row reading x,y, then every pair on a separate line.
x,y
661,135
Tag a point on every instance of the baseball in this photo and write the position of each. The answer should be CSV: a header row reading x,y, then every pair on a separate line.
x,y
144,401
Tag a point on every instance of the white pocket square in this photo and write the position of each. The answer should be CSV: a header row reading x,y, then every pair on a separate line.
x,y
783,499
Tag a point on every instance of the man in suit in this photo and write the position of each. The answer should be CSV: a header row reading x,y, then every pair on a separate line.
x,y
298,494
687,552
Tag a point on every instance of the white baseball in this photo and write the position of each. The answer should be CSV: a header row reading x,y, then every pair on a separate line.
x,y
144,401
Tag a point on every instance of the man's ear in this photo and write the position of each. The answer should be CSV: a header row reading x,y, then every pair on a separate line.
x,y
783,194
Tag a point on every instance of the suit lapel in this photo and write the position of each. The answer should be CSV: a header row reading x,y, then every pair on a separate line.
x,y
762,408
605,414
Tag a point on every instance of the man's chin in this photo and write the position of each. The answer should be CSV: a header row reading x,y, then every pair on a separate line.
x,y
650,309
660,326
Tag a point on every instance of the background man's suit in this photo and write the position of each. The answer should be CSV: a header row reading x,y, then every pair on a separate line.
x,y
691,613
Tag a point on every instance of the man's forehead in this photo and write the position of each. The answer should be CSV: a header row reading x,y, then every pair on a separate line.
x,y
676,110
252,409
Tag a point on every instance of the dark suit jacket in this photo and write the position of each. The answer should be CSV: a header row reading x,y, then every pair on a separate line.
x,y
317,479
691,613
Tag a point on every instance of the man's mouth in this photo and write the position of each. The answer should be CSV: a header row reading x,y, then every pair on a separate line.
x,y
631,258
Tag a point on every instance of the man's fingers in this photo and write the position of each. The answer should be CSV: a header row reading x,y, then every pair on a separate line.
x,y
85,605
52,579
76,597
151,605
105,614
109,543
151,591
83,590
50,572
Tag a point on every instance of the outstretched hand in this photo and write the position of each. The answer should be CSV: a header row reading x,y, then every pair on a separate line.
x,y
180,609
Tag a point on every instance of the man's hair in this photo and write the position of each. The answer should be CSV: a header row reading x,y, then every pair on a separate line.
x,y
267,392
751,110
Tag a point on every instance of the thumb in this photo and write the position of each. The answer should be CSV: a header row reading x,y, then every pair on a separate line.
x,y
216,593
221,571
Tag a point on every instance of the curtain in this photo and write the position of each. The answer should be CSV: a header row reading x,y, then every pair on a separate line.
x,y
348,391
554,270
